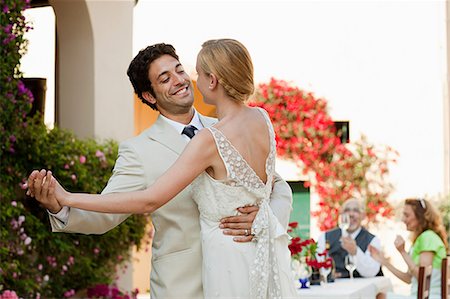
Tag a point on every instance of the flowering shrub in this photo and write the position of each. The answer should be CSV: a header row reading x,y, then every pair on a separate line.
x,y
15,98
34,262
305,133
104,291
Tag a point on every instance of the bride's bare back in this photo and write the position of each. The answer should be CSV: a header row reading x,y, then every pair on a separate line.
x,y
247,131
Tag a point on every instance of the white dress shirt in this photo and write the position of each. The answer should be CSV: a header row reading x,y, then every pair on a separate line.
x,y
179,126
365,264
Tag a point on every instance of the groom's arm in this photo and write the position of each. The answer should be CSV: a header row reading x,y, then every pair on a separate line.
x,y
280,204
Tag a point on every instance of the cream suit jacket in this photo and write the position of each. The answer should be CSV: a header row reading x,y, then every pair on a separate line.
x,y
176,248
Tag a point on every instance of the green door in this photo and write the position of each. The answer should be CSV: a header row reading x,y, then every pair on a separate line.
x,y
301,208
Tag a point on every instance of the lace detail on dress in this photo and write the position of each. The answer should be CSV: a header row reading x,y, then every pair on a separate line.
x,y
264,276
239,172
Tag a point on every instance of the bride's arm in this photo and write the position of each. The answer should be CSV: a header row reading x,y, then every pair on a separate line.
x,y
195,158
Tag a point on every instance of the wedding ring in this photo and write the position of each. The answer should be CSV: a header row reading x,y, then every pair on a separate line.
x,y
246,232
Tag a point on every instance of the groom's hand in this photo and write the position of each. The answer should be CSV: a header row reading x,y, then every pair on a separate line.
x,y
35,184
240,226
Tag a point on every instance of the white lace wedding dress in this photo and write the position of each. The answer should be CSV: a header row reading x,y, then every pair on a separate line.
x,y
258,269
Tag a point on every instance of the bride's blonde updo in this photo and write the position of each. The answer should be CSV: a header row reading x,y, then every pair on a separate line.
x,y
230,61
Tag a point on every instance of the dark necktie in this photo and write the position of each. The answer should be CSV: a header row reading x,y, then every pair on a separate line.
x,y
189,131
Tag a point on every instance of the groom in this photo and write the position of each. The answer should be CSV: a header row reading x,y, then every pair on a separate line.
x,y
159,80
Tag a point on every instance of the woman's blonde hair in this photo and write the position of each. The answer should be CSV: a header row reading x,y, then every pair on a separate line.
x,y
230,62
428,218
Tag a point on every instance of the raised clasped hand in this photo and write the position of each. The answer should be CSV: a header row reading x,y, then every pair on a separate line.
x,y
44,187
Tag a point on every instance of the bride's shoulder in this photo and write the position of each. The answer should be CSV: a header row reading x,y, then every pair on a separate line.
x,y
203,137
259,109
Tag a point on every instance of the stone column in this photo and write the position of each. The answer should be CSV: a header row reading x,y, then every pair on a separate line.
x,y
94,47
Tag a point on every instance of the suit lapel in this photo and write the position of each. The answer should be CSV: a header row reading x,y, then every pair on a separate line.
x,y
165,134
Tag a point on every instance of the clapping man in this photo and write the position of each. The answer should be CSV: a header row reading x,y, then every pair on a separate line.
x,y
353,242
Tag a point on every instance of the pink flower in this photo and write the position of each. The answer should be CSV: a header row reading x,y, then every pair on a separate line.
x,y
96,251
71,260
23,185
27,241
14,224
9,295
99,154
82,159
69,293
14,203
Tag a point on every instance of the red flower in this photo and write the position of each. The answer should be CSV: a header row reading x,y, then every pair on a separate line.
x,y
305,133
293,224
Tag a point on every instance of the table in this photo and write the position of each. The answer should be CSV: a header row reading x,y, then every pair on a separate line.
x,y
345,288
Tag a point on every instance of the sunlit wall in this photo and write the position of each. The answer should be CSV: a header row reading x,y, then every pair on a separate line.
x,y
40,60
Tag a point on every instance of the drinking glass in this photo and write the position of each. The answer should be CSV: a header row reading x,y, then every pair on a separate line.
x,y
344,223
324,273
295,265
350,264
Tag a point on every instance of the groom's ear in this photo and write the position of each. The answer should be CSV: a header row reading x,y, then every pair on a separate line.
x,y
148,97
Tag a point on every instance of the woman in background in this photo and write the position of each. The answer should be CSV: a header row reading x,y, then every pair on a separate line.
x,y
429,246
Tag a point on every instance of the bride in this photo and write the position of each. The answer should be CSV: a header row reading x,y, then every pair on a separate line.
x,y
230,165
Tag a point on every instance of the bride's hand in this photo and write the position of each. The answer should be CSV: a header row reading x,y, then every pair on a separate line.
x,y
55,189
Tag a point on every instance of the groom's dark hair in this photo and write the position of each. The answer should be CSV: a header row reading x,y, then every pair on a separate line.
x,y
138,70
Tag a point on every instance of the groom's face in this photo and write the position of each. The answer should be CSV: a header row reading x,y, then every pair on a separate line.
x,y
172,86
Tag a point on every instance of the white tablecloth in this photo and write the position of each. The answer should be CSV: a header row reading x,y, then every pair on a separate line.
x,y
345,288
